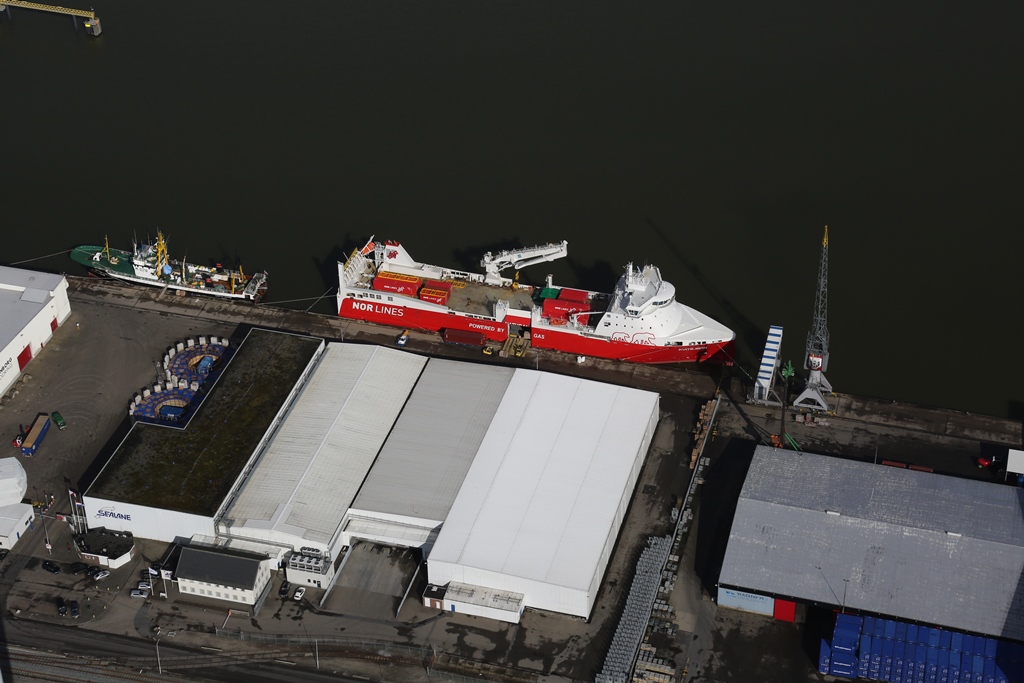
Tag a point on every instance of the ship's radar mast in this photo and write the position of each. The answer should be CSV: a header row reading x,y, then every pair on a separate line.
x,y
520,258
816,359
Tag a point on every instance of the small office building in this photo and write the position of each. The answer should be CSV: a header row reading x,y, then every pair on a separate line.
x,y
222,574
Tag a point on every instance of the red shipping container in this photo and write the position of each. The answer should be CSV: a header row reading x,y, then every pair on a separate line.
x,y
463,337
396,287
438,284
434,296
568,294
559,309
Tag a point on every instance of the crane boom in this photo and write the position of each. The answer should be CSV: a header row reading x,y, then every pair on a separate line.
x,y
84,13
521,258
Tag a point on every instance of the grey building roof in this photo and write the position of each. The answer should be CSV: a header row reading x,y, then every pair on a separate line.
x,y
423,463
231,568
907,544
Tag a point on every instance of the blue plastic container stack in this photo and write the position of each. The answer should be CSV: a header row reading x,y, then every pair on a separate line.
x,y
825,659
845,643
889,650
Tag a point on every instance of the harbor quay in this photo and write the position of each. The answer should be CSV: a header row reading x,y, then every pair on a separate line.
x,y
110,347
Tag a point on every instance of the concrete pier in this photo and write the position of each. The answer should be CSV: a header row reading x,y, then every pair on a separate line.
x,y
857,415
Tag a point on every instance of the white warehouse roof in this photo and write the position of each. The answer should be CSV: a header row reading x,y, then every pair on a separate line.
x,y
542,503
306,479
23,294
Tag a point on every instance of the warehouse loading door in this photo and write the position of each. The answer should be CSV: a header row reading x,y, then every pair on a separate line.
x,y
24,357
785,610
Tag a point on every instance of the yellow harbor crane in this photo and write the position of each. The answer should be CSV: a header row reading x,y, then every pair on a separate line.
x,y
92,22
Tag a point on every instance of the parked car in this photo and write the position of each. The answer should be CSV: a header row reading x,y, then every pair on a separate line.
x,y
93,571
102,575
136,593
78,568
284,589
299,592
74,609
145,586
58,420
62,608
51,567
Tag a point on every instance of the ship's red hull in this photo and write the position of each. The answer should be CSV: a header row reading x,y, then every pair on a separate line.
x,y
719,354
568,342
419,319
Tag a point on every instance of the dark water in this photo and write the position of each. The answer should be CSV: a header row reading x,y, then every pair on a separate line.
x,y
713,139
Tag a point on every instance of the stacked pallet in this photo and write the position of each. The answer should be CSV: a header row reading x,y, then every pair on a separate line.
x,y
704,420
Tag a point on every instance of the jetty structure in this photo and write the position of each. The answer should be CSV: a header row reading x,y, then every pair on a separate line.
x,y
90,21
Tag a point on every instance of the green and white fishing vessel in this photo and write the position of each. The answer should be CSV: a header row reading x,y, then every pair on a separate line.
x,y
149,264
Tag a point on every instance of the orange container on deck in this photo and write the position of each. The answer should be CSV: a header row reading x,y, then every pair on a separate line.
x,y
438,284
434,296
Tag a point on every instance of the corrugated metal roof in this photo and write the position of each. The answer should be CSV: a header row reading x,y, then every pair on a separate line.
x,y
426,457
315,463
541,495
908,544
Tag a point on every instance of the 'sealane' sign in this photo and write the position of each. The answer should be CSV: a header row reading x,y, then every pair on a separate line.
x,y
109,512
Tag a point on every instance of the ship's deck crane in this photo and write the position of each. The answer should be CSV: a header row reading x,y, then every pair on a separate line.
x,y
92,22
520,258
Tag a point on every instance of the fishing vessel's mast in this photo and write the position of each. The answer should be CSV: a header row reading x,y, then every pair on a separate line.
x,y
106,250
161,253
816,359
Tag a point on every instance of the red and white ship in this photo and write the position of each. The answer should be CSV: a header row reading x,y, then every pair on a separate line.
x,y
640,321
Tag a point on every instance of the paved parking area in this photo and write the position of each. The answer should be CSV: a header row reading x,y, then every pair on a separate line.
x,y
89,371
372,581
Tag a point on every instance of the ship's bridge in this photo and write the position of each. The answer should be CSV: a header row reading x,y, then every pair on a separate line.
x,y
645,291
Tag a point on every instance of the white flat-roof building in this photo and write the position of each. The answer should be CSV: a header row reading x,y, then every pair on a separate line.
x,y
514,483
14,521
32,306
543,501
15,516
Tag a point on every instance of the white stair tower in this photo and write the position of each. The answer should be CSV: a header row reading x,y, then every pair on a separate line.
x,y
764,385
